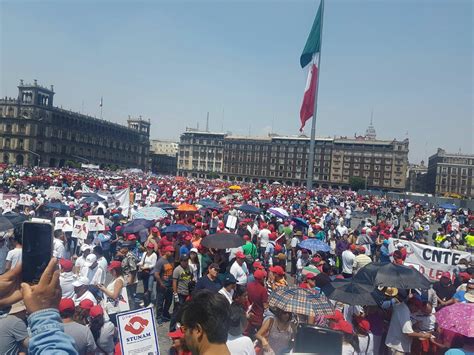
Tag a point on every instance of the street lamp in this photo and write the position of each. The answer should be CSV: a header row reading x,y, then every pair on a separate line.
x,y
39,156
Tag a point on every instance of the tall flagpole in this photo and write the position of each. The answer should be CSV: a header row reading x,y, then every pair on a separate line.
x,y
310,165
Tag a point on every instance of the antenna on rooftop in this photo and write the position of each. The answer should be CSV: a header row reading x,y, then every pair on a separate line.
x,y
207,122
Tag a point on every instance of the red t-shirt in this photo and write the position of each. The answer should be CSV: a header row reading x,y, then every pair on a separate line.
x,y
257,295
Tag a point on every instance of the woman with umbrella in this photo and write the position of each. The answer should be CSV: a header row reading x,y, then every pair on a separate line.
x,y
277,331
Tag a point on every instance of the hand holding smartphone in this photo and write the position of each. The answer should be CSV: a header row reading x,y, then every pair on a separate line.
x,y
37,250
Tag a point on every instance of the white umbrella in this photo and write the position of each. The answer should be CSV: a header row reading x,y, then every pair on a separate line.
x,y
279,212
53,194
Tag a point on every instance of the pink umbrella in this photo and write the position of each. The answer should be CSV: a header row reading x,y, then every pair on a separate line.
x,y
458,318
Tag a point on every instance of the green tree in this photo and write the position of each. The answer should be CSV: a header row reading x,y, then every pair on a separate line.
x,y
356,183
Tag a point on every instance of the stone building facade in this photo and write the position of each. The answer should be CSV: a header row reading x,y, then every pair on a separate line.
x,y
34,132
382,164
451,174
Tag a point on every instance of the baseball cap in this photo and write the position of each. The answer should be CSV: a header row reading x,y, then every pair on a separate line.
x,y
229,279
184,257
277,270
353,247
81,281
131,237
86,304
90,259
246,237
194,250
259,274
363,324
66,264
188,237
66,304
154,229
337,316
96,311
310,276
150,246
177,334
114,264
169,248
85,247
361,248
343,326
257,265
446,275
240,255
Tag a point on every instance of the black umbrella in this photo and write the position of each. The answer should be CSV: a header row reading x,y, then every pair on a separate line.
x,y
350,292
57,206
5,224
223,241
164,206
136,226
92,198
249,209
177,228
207,202
392,275
15,218
267,202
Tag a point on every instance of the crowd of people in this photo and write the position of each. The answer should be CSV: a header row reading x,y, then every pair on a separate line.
x,y
216,300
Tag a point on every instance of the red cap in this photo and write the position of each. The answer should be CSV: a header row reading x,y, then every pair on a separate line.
x,y
107,228
260,274
118,228
316,259
361,249
198,225
240,255
310,276
364,325
169,248
278,248
273,236
177,334
337,316
188,237
66,304
446,274
353,247
220,224
343,326
246,237
154,230
96,311
258,265
277,270
150,246
114,265
86,304
66,264
131,237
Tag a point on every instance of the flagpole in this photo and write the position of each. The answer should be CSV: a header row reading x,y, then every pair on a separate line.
x,y
310,172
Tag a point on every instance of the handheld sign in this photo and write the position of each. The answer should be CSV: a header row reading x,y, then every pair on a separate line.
x,y
81,230
96,223
64,223
137,332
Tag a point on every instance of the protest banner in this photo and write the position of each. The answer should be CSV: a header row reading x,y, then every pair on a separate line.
x,y
96,223
81,229
137,332
431,261
64,223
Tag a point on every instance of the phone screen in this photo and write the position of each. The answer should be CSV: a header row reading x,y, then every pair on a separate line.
x,y
37,250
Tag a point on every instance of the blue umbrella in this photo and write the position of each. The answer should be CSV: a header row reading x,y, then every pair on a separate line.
x,y
164,206
300,221
92,198
57,206
249,209
267,202
448,206
207,202
314,245
176,228
136,226
150,213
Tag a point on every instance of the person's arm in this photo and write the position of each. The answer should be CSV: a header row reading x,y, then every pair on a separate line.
x,y
116,292
8,265
157,275
262,333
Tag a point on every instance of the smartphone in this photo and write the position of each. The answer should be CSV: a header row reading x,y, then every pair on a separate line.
x,y
37,250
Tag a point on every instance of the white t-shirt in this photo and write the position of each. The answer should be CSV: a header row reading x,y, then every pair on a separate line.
x,y
79,263
85,296
58,248
102,261
341,229
294,242
400,325
348,258
240,273
14,256
95,276
264,237
240,345
366,344
226,294
65,280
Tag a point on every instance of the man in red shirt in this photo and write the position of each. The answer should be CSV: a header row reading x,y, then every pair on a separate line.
x,y
258,298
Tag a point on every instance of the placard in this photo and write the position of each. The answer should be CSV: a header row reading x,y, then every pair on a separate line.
x,y
137,332
138,196
432,261
96,223
152,196
231,222
64,223
8,205
25,200
81,230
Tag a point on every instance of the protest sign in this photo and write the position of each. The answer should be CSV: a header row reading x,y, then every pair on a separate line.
x,y
431,261
137,332
231,222
138,196
81,229
8,205
63,223
152,196
25,200
96,223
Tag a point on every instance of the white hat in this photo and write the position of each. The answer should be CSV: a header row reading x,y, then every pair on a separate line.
x,y
194,250
91,259
85,247
81,281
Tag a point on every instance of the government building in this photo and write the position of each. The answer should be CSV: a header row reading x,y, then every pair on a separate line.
x,y
380,164
35,132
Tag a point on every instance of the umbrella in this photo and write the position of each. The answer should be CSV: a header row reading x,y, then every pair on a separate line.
x,y
164,206
391,275
266,201
276,183
300,301
205,202
57,206
279,212
15,218
314,245
448,206
222,241
249,209
235,187
150,213
5,224
136,226
177,228
300,221
53,194
322,205
186,207
92,198
458,318
349,292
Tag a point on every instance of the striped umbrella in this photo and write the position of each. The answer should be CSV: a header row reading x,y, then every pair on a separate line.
x,y
150,213
300,301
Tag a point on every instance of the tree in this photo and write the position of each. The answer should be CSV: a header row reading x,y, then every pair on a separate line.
x,y
356,183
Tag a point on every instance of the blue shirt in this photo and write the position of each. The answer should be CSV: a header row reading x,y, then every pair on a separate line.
x,y
460,296
206,283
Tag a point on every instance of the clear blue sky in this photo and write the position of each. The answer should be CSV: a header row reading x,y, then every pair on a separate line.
x,y
410,61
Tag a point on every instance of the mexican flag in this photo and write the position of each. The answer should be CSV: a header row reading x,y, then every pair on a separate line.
x,y
311,53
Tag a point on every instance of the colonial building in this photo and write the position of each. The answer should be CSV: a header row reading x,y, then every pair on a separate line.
x,y
416,177
382,164
451,174
164,147
163,157
35,132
